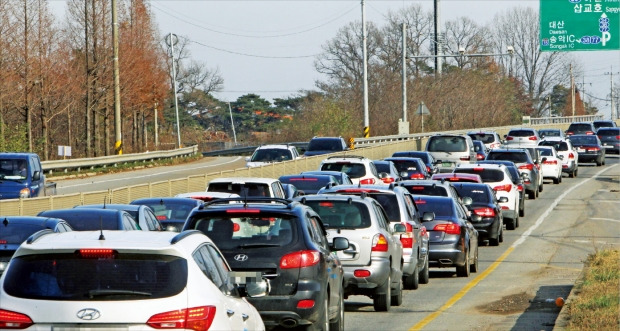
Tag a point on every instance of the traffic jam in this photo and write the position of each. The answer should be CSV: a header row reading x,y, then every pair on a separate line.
x,y
255,253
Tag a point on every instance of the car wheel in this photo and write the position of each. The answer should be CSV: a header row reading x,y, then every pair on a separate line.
x,y
412,282
536,192
576,172
323,322
541,186
494,241
560,178
382,302
556,180
517,222
463,271
511,224
474,266
424,274
571,174
397,298
501,236
599,163
522,211
531,195
338,324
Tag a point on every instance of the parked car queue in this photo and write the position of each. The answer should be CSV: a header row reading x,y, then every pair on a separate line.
x,y
247,256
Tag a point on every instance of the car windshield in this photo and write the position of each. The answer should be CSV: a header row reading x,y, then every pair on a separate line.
x,y
406,165
354,170
17,233
324,145
546,152
442,208
487,175
580,127
247,229
383,167
271,155
435,190
608,132
447,144
13,169
421,155
515,157
476,193
86,220
242,189
560,146
486,138
603,124
77,276
307,184
341,214
521,133
167,211
550,133
583,140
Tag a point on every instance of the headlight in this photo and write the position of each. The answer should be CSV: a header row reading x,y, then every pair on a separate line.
x,y
24,193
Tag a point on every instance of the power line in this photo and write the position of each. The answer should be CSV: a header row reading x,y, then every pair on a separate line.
x,y
253,55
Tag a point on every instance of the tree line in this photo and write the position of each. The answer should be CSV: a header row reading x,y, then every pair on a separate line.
x,y
56,81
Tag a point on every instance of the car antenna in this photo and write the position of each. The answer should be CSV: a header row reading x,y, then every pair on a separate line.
x,y
101,237
5,222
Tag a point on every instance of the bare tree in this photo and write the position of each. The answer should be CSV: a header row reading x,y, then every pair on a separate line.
x,y
464,33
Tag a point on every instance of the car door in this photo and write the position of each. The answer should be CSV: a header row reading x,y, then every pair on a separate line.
x,y
471,231
396,248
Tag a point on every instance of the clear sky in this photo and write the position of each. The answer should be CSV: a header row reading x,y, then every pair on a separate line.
x,y
269,47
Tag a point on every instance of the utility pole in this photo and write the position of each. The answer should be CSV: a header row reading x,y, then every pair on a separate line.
x,y
171,40
118,145
364,51
572,89
404,125
613,114
437,39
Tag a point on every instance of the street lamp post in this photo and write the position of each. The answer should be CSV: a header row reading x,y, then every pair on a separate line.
x,y
172,40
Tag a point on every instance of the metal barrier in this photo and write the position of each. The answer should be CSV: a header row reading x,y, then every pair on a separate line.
x,y
374,150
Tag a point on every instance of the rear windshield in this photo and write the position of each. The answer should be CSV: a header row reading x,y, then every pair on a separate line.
x,y
604,124
270,155
550,133
307,184
171,211
354,170
476,193
383,167
435,190
87,221
608,132
325,145
440,208
406,166
521,133
252,189
560,146
583,140
234,231
71,277
546,152
447,144
341,214
486,138
487,175
17,233
423,156
515,157
580,127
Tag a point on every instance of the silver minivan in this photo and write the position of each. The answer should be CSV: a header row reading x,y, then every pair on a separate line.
x,y
450,150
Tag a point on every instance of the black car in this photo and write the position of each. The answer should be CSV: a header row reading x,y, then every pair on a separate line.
x,y
14,230
490,225
589,148
410,167
427,158
389,169
610,138
603,124
516,179
586,128
309,184
89,219
326,145
284,242
171,212
481,150
142,214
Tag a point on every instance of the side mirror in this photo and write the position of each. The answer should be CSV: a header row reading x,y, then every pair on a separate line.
x,y
399,228
339,244
36,175
502,200
475,218
428,216
561,157
467,201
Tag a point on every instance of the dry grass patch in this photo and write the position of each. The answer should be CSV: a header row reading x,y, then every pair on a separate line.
x,y
596,305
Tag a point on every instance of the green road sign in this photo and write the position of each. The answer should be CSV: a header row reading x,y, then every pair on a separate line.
x,y
579,25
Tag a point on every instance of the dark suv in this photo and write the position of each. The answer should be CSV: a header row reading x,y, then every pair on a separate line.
x,y
325,145
284,242
580,128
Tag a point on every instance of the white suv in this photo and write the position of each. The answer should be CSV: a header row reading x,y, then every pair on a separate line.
x,y
498,177
360,169
92,279
271,153
248,186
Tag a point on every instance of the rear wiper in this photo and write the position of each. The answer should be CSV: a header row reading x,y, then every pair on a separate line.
x,y
104,293
258,245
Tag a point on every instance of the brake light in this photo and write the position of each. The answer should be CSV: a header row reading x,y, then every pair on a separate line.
x,y
97,253
326,204
485,212
417,188
551,162
407,238
428,169
408,227
12,320
379,243
407,242
303,179
300,259
520,188
367,181
361,273
236,227
533,138
420,202
357,190
448,228
506,188
387,180
161,217
465,158
600,137
509,138
617,137
417,176
2,242
479,157
528,166
196,318
571,156
243,211
589,132
568,133
478,169
305,304
592,149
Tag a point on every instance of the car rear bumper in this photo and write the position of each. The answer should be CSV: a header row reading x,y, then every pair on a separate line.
x,y
509,214
445,255
379,269
488,228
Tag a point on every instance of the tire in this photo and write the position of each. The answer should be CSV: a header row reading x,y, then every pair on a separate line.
x,y
494,241
541,186
463,271
397,298
511,225
560,178
572,174
501,236
576,172
599,163
382,302
424,274
556,181
532,195
517,222
323,322
474,266
522,211
338,324
412,282
536,192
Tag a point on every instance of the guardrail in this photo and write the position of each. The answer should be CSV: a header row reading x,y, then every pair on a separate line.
x,y
565,119
78,164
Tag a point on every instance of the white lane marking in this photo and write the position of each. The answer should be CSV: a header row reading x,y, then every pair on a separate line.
x,y
604,219
542,217
157,174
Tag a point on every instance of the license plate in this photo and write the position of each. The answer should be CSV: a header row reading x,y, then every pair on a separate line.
x,y
580,150
94,328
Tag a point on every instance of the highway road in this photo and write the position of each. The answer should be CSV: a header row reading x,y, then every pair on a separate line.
x,y
540,260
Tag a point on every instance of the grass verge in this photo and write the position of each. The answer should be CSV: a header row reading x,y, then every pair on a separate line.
x,y
597,303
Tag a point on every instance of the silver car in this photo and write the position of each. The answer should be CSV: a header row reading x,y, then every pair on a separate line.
x,y
450,150
373,262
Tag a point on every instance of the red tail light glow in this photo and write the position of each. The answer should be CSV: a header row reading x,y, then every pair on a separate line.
x,y
571,156
361,273
326,204
506,188
407,238
300,259
589,132
236,227
387,180
428,169
617,137
592,149
407,242
520,188
97,253
417,176
509,138
243,211
12,320
161,217
479,157
448,228
533,138
568,133
367,181
477,169
528,166
2,242
305,304
551,162
197,318
485,212
379,243
357,190
464,158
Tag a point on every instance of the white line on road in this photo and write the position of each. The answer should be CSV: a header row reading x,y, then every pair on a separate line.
x,y
605,219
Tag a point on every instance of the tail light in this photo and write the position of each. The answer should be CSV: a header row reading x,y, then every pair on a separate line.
x,y
361,273
592,149
97,253
528,166
568,133
387,180
464,158
479,157
300,259
618,137
197,318
236,227
505,207
506,188
571,156
407,238
12,320
448,228
600,137
485,212
417,176
428,169
551,162
589,132
305,304
367,181
520,188
379,243
509,138
533,138
2,242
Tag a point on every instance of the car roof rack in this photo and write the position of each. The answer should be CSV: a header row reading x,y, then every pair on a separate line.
x,y
35,236
246,200
347,156
183,235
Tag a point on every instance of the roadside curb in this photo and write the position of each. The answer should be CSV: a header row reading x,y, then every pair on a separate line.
x,y
561,322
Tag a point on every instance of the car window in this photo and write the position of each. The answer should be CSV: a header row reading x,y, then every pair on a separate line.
x,y
381,217
316,232
354,170
487,175
17,233
341,214
608,132
205,263
411,209
521,133
389,202
476,193
485,138
515,157
223,270
560,146
441,208
129,223
447,144
436,190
